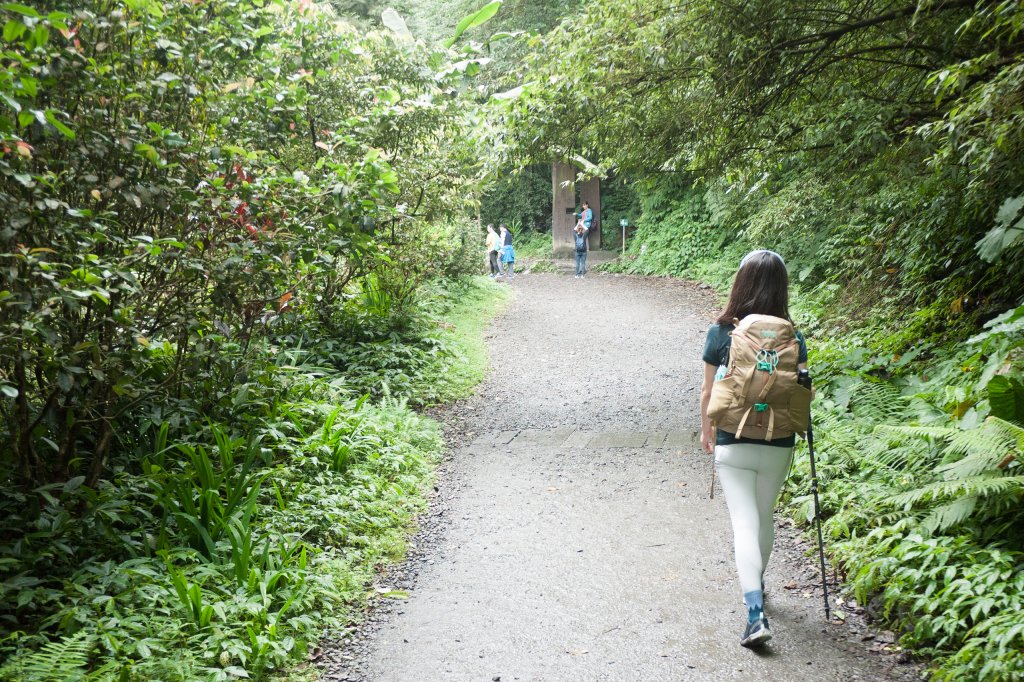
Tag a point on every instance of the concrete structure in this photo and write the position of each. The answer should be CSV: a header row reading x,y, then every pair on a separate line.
x,y
563,208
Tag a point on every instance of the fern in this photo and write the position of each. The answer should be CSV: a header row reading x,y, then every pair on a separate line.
x,y
987,440
1011,430
933,433
950,514
878,401
971,465
939,475
63,660
1003,492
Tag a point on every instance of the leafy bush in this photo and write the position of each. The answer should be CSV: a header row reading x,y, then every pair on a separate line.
x,y
211,173
237,556
230,549
671,236
921,465
206,203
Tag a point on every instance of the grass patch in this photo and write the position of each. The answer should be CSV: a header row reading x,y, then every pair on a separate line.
x,y
533,244
474,303
545,265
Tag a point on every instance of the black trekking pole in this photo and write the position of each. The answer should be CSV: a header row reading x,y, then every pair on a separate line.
x,y
804,379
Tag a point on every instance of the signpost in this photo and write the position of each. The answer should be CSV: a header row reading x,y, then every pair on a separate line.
x,y
624,223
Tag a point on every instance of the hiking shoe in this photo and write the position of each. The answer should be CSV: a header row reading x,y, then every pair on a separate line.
x,y
756,634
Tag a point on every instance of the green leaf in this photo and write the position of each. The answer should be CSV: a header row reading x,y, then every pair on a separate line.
x,y
9,390
13,103
997,240
503,35
67,132
13,30
73,483
1006,232
1009,210
21,9
473,20
41,35
394,21
1006,398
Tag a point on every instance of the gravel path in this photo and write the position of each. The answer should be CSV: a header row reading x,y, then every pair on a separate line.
x,y
572,537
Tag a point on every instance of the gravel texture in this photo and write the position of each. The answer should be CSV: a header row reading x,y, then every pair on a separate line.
x,y
572,537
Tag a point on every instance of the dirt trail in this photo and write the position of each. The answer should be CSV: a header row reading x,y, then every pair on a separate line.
x,y
573,537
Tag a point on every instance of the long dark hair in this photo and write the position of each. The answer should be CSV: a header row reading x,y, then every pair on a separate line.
x,y
761,287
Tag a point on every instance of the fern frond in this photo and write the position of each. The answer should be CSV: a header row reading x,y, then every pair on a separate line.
x,y
63,660
912,455
933,433
977,486
983,440
945,516
972,465
878,401
1013,431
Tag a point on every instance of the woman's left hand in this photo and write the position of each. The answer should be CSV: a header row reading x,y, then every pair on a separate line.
x,y
707,438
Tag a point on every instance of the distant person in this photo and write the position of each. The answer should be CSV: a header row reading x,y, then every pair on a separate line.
x,y
580,233
493,247
586,216
750,409
508,254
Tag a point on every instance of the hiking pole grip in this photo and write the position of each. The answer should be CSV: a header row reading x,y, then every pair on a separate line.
x,y
804,379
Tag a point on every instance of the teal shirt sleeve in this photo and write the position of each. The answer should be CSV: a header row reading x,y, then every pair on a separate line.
x,y
716,347
802,355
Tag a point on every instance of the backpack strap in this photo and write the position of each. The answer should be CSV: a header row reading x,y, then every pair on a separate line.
x,y
743,422
771,423
767,386
746,385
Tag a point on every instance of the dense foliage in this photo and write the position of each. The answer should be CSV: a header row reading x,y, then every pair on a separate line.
x,y
230,232
876,146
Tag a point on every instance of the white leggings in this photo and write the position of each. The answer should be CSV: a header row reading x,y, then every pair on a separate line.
x,y
752,475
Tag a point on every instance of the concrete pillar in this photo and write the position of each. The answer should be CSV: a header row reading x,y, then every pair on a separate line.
x,y
563,206
590,191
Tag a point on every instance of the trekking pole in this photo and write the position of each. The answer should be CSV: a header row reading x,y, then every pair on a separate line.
x,y
804,379
712,479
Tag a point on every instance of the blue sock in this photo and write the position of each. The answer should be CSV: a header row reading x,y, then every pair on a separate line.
x,y
754,601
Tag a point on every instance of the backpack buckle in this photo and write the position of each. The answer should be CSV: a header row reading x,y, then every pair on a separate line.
x,y
767,360
760,407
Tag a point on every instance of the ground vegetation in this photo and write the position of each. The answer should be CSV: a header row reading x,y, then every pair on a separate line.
x,y
234,253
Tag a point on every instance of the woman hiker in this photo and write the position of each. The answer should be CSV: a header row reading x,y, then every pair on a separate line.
x,y
753,467
493,245
508,254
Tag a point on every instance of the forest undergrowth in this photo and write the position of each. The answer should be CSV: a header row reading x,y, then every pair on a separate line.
x,y
234,546
235,263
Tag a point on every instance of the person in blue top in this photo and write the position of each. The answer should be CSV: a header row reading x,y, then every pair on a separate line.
x,y
752,471
508,254
587,216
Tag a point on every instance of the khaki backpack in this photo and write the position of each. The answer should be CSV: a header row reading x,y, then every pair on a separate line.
x,y
759,396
